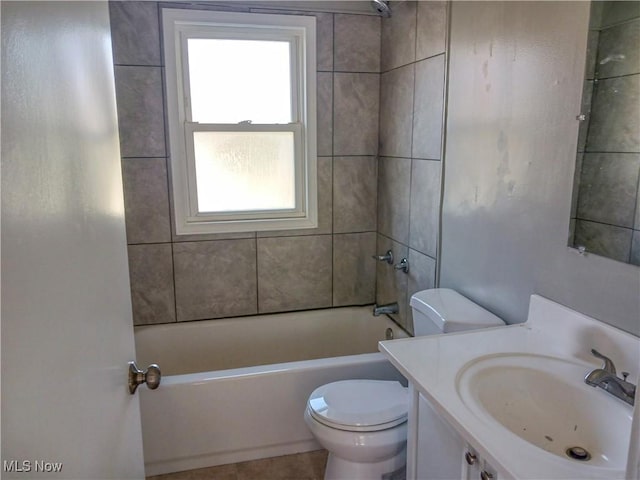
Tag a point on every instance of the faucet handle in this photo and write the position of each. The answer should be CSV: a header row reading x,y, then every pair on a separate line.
x,y
608,363
403,265
387,257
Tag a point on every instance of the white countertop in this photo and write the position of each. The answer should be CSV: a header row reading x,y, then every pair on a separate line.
x,y
432,364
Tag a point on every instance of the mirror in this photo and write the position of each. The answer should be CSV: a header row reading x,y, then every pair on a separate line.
x,y
605,213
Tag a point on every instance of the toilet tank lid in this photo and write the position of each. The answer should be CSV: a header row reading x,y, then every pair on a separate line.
x,y
452,311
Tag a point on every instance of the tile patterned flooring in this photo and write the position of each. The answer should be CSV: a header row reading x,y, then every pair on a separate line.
x,y
302,466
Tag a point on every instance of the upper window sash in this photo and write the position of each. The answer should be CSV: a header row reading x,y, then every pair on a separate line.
x,y
240,27
296,61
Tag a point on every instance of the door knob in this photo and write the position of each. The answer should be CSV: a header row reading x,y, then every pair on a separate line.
x,y
151,376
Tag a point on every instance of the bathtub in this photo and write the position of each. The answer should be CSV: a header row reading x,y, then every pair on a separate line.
x,y
235,389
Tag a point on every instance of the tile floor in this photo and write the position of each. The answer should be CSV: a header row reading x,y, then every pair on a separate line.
x,y
302,466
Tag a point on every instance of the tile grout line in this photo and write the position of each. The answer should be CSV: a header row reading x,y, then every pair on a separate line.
x,y
333,113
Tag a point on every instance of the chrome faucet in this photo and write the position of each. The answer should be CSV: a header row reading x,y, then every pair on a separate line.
x,y
607,379
382,309
387,257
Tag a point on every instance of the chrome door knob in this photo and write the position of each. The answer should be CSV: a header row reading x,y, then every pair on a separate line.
x,y
151,376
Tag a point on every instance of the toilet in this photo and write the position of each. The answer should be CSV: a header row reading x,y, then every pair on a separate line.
x,y
363,423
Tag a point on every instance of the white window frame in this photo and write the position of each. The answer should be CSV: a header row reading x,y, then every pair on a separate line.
x,y
178,27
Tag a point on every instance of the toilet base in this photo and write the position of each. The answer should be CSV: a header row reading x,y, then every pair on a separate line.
x,y
390,469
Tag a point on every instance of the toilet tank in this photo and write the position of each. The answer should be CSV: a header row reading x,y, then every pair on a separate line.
x,y
442,310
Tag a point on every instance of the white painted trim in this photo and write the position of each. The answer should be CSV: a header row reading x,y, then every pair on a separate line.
x,y
301,33
356,7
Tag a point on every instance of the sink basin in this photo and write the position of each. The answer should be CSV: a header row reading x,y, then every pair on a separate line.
x,y
544,401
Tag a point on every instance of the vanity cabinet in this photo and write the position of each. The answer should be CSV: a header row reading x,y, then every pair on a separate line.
x,y
435,451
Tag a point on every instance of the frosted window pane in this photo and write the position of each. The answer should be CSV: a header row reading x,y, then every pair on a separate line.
x,y
236,80
240,171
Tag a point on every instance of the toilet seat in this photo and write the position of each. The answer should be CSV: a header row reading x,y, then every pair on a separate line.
x,y
359,405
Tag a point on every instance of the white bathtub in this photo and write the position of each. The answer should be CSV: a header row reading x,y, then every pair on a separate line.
x,y
235,389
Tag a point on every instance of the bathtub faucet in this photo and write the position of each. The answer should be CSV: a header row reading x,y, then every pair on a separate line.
x,y
382,309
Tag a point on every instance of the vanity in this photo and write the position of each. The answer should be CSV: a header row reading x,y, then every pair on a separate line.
x,y
512,403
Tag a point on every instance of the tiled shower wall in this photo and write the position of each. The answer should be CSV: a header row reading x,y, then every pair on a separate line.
x,y
414,42
178,278
606,206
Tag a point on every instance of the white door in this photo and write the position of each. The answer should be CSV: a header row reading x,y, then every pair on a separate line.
x,y
66,315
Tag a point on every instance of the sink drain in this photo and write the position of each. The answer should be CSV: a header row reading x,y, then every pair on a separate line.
x,y
578,453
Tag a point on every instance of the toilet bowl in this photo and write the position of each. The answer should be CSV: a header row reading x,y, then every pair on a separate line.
x,y
363,423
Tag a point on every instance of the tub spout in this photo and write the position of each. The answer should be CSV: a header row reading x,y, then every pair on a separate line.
x,y
382,309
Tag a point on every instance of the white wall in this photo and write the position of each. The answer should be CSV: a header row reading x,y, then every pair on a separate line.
x,y
515,76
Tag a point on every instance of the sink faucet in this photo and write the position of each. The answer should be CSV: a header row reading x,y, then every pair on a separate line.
x,y
607,379
388,308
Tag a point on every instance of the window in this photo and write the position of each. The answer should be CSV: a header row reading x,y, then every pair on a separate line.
x,y
241,114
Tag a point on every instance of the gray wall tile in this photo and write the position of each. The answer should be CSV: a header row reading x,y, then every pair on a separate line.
x,y
394,183
146,200
615,117
595,14
294,273
325,113
215,279
354,271
576,184
396,111
356,103
428,108
411,126
354,194
606,240
572,233
324,38
618,11
425,206
357,43
609,188
422,276
140,111
151,277
618,52
399,36
636,224
391,284
585,109
592,53
135,33
635,248
325,204
431,29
